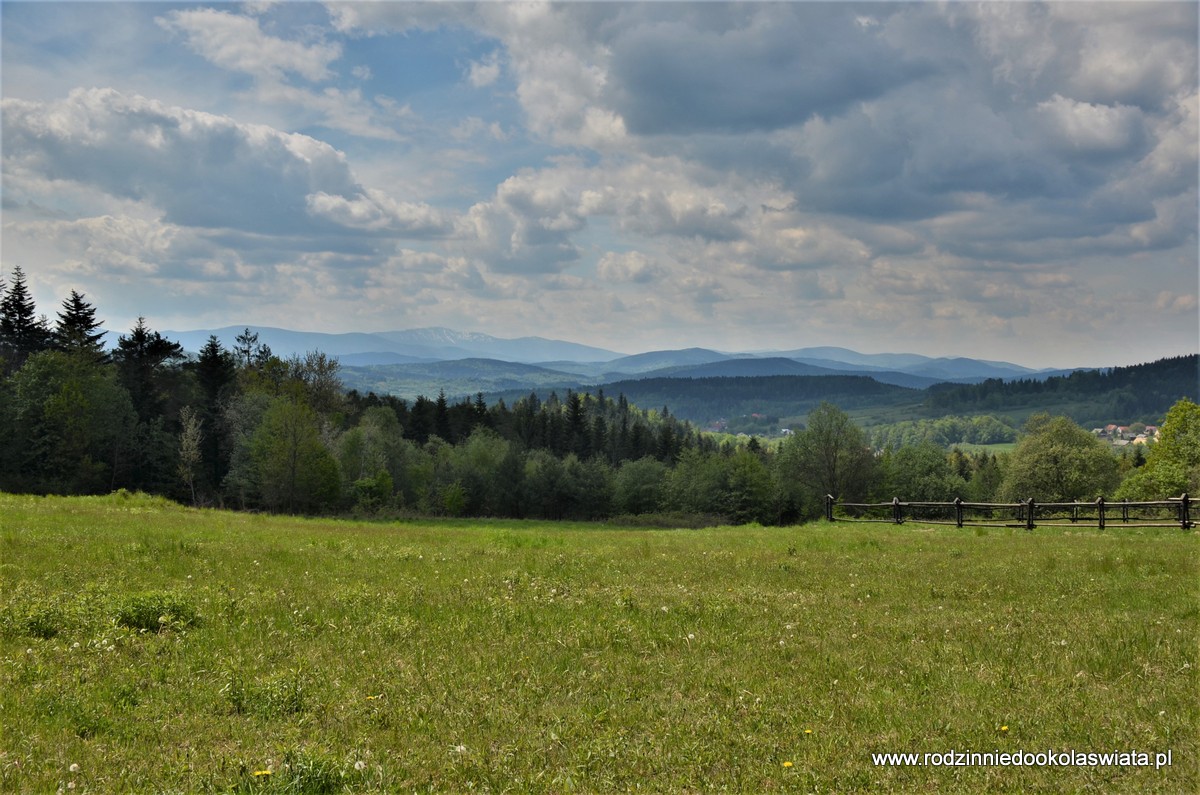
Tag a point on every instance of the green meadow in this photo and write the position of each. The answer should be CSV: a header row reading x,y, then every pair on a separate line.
x,y
148,647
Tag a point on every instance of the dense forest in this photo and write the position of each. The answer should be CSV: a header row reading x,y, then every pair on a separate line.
x,y
246,429
1140,392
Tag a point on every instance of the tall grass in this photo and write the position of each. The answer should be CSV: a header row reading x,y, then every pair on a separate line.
x,y
147,647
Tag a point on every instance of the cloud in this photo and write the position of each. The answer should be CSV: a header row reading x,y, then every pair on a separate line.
x,y
199,169
1089,129
629,266
780,65
239,44
481,74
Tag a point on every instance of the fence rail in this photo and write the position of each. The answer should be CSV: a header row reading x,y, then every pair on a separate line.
x,y
1174,512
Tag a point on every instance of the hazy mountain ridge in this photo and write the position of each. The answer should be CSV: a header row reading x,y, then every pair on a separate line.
x,y
427,344
401,362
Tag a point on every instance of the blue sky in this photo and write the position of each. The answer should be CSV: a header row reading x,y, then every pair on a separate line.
x,y
1009,181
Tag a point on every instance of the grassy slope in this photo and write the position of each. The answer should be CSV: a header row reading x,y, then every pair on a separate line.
x,y
542,657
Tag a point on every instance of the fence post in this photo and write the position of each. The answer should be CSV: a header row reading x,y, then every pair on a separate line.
x,y
1125,511
1100,510
829,507
958,511
1030,507
897,511
1185,518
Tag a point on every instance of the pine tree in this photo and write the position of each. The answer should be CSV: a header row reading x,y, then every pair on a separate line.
x,y
77,328
22,332
143,358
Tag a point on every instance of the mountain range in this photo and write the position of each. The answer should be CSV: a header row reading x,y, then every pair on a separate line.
x,y
425,361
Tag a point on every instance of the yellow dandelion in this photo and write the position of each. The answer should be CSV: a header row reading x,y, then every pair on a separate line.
x,y
259,773
1003,728
808,731
787,764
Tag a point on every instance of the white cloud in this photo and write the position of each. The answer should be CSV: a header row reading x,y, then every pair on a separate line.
x,y
239,44
200,169
1089,128
481,74
629,266
375,211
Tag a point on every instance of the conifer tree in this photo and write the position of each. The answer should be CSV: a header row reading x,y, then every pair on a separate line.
x,y
22,332
77,330
143,358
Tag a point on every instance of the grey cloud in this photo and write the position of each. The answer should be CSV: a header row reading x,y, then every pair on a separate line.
x,y
781,66
200,169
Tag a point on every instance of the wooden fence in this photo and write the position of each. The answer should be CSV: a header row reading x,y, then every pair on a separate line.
x,y
1175,512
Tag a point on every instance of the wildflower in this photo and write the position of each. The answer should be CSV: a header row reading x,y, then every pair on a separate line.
x,y
74,768
808,731
1003,728
787,764
261,773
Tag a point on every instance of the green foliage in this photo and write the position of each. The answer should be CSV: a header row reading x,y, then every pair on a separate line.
x,y
296,472
1173,464
1142,391
637,486
69,426
78,331
920,473
830,456
22,332
1057,461
944,432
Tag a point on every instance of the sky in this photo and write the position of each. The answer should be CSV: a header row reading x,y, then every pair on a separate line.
x,y
1009,181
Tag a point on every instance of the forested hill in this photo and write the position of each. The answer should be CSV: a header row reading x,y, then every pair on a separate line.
x,y
1140,392
702,399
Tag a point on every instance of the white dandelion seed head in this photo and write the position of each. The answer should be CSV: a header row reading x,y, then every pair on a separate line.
x,y
360,765
74,768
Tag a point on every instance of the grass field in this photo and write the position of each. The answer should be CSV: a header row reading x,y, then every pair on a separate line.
x,y
151,648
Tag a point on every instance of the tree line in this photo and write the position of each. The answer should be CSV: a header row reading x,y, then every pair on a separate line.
x,y
1141,391
243,428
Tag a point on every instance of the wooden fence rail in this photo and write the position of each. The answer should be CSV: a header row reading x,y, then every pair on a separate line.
x,y
1174,512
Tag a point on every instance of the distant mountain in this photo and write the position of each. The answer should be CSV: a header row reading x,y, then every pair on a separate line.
x,y
778,365
962,368
883,361
425,344
740,368
529,350
958,370
657,360
457,378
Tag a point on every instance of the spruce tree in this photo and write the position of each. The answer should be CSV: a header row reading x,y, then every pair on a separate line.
x,y
22,332
144,359
77,330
